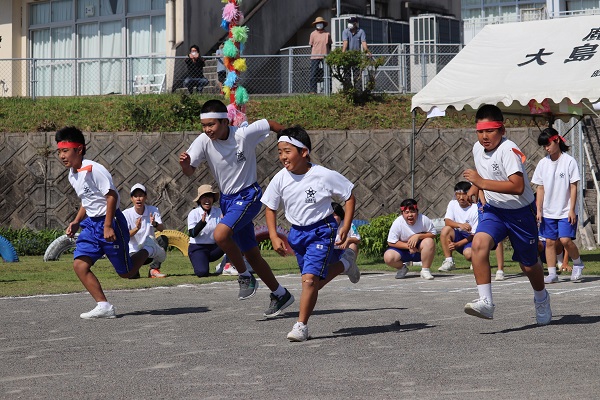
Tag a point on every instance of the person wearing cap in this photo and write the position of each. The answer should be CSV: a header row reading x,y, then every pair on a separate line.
x,y
142,221
354,38
103,225
320,42
202,222
230,154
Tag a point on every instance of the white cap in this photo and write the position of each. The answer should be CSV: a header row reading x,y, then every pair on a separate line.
x,y
138,186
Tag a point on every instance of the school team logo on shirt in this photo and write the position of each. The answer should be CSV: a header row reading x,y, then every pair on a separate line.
x,y
240,156
495,169
87,190
562,175
310,195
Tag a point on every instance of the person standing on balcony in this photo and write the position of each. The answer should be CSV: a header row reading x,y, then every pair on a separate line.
x,y
195,71
320,42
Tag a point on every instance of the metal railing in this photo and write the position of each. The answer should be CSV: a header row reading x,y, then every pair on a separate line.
x,y
287,73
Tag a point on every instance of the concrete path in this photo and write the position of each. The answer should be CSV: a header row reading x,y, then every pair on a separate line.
x,y
379,339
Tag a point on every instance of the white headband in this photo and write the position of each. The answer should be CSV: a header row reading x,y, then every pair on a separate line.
x,y
293,141
217,115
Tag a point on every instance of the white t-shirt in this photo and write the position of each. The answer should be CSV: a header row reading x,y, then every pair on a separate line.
x,y
556,178
232,161
461,215
401,231
136,242
91,183
207,234
498,165
353,233
307,198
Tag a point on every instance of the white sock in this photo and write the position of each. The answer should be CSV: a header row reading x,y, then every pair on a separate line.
x,y
426,269
539,295
449,259
577,261
345,263
280,291
485,291
551,270
104,304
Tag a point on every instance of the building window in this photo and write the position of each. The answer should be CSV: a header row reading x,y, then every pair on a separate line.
x,y
100,33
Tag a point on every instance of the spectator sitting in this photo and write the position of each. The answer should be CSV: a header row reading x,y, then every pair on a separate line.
x,y
195,71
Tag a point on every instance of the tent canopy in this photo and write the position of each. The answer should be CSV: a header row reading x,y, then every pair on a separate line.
x,y
548,69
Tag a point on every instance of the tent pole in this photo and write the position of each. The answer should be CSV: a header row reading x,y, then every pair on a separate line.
x,y
412,155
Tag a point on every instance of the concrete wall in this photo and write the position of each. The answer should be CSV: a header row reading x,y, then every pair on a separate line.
x,y
35,192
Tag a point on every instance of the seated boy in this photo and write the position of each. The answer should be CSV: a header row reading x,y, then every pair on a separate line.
x,y
411,238
461,221
142,220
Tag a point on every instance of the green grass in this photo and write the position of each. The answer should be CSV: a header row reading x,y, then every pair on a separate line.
x,y
32,276
174,113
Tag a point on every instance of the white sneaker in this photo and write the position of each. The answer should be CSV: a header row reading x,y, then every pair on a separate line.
x,y
481,308
471,267
499,275
100,312
576,274
230,270
402,272
543,313
155,251
447,266
425,274
299,333
551,279
353,271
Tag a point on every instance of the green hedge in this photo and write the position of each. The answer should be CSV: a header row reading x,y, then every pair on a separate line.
x,y
28,242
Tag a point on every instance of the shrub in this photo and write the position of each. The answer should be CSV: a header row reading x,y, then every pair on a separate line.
x,y
28,242
341,63
374,235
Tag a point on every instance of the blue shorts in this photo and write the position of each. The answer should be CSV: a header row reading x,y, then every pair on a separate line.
x,y
406,255
239,210
519,225
460,235
314,246
555,229
91,243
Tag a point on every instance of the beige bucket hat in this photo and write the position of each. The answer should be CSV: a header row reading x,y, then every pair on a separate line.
x,y
205,189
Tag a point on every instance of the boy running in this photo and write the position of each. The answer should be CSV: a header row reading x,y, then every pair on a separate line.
x,y
230,153
509,210
103,226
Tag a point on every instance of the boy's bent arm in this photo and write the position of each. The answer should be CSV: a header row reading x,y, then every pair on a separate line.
x,y
514,185
111,207
349,211
275,126
185,162
271,219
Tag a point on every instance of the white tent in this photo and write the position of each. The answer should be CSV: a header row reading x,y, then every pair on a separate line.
x,y
546,69
554,62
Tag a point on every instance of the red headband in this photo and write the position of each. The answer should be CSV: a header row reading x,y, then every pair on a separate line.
x,y
489,125
69,145
409,207
553,138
